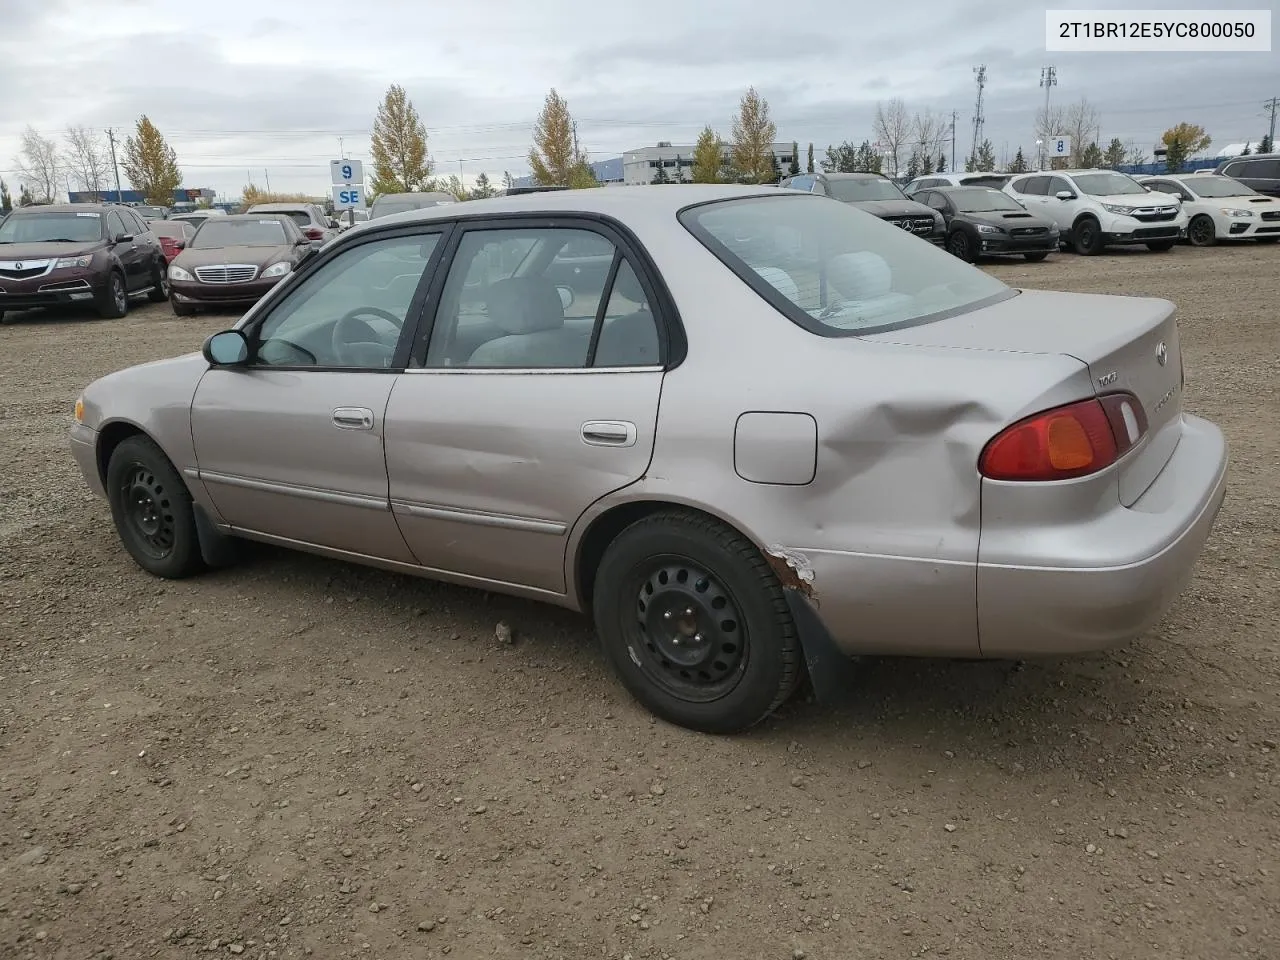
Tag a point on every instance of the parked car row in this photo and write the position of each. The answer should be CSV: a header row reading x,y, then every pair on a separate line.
x,y
1034,214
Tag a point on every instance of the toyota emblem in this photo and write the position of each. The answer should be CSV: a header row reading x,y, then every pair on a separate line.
x,y
1162,354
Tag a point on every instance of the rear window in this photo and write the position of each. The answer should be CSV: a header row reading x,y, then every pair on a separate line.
x,y
863,189
264,232
301,217
835,270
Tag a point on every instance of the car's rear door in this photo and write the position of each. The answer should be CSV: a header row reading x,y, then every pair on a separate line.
x,y
522,413
290,447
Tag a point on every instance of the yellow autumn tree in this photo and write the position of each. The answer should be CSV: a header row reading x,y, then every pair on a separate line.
x,y
151,164
399,146
708,157
753,135
555,157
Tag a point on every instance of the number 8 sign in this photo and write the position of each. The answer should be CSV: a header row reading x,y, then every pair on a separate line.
x,y
1060,147
346,172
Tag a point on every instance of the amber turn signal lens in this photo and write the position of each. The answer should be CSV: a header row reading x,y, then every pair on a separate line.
x,y
79,410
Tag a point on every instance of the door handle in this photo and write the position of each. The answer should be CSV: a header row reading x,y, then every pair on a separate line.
x,y
353,418
609,433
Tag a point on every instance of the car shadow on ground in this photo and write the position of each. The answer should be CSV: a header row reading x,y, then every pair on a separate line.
x,y
50,315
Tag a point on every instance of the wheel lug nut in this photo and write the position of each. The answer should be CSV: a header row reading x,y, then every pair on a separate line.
x,y
667,615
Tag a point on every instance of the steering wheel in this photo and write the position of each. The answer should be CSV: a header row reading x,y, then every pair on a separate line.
x,y
358,343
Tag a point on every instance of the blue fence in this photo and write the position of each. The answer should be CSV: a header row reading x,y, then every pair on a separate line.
x,y
1160,167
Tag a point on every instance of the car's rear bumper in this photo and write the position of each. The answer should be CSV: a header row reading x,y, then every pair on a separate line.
x,y
84,449
221,294
1045,605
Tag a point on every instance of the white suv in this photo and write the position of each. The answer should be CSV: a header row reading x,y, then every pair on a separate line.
x,y
1096,209
1219,207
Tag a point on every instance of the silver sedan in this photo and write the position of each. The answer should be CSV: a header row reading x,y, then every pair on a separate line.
x,y
751,432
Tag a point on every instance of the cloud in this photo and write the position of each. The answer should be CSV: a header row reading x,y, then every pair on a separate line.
x,y
249,87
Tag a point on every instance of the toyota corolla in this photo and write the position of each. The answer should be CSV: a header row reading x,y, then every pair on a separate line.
x,y
749,431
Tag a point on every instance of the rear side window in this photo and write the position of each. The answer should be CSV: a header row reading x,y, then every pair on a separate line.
x,y
835,270
1032,186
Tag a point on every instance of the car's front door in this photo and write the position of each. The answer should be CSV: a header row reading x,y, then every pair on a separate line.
x,y
524,410
290,445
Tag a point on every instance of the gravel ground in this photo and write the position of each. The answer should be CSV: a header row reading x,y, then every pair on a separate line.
x,y
297,757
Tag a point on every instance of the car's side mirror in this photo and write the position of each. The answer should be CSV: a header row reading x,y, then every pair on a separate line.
x,y
1146,188
302,242
179,244
566,296
334,225
122,238
1065,195
228,348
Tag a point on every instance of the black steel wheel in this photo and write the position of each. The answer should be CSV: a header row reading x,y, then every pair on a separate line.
x,y
152,510
692,641
695,623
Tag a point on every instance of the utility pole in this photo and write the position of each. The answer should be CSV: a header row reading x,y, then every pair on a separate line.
x,y
111,138
1271,105
953,141
1048,80
575,141
267,175
978,119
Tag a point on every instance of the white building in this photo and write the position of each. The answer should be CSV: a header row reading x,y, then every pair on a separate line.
x,y
640,165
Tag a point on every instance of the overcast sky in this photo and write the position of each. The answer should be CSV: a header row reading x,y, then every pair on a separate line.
x,y
245,88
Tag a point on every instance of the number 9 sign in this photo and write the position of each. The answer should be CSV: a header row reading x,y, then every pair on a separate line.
x,y
346,172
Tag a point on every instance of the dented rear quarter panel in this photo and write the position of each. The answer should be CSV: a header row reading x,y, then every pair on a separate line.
x,y
889,526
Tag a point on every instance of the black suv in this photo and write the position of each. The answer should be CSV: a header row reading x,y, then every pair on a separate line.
x,y
1261,172
877,195
79,253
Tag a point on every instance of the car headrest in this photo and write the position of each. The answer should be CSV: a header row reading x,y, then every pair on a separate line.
x,y
860,276
525,305
781,281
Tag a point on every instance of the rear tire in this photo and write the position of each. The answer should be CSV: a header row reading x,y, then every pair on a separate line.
x,y
151,507
1086,237
1035,257
1160,246
159,283
181,309
113,302
695,623
1201,231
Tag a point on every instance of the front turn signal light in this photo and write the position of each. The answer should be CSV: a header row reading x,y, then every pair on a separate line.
x,y
79,409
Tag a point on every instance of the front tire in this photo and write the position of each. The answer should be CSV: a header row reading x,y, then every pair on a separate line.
x,y
113,302
1160,246
1086,237
1201,231
958,246
695,623
1035,257
152,510
159,283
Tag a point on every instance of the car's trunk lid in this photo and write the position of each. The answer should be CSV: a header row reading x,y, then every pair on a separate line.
x,y
1128,343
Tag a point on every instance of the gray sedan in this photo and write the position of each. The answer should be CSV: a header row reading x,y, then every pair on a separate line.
x,y
751,432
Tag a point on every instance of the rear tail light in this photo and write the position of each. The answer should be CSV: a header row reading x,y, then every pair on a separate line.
x,y
313,233
1071,441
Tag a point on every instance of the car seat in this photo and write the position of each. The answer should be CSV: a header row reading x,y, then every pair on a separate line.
x,y
630,340
529,312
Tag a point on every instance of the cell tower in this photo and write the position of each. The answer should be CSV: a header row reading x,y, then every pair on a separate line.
x,y
1048,80
978,119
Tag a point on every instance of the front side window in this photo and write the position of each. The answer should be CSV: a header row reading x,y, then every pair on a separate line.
x,y
1058,185
541,298
1107,184
835,270
51,227
863,188
351,311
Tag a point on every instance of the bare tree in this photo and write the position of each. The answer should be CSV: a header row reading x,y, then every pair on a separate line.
x,y
39,166
893,130
87,158
1080,122
929,132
